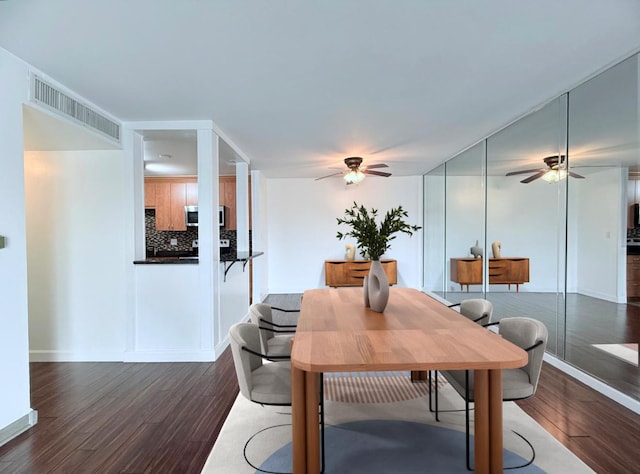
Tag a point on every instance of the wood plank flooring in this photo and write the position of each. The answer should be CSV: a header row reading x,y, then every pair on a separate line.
x,y
123,418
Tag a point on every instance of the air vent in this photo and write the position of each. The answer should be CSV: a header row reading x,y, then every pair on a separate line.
x,y
45,94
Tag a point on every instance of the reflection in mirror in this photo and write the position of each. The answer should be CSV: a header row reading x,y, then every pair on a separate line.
x,y
602,329
227,197
434,238
526,219
465,235
170,193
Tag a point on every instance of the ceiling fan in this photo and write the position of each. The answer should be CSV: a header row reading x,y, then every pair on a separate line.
x,y
355,173
552,173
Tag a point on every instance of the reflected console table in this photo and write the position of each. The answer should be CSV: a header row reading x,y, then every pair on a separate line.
x,y
502,271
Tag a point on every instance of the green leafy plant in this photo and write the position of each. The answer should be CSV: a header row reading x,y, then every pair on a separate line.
x,y
373,240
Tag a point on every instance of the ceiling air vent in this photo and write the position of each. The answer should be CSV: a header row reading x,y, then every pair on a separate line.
x,y
45,94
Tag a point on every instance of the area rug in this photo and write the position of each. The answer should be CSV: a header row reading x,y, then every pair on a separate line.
x,y
380,433
625,352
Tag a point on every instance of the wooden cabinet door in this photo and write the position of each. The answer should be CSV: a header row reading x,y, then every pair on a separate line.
x,y
178,199
227,197
191,194
163,206
149,195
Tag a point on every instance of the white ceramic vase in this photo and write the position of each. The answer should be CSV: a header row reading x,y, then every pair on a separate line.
x,y
378,284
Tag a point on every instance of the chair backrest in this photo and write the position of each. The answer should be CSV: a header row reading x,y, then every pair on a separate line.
x,y
245,335
258,313
524,333
477,309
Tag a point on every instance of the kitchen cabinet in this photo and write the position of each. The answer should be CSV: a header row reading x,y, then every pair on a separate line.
x,y
227,198
633,276
502,271
149,195
352,272
170,195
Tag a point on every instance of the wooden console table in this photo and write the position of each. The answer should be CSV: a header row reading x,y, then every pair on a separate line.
x,y
502,271
352,272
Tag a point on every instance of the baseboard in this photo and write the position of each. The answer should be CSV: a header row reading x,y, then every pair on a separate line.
x,y
599,386
18,427
133,356
169,356
72,356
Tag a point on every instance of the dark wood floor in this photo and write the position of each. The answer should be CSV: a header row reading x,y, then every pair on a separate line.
x,y
123,418
164,418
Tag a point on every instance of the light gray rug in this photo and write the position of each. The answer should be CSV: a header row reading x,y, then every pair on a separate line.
x,y
359,440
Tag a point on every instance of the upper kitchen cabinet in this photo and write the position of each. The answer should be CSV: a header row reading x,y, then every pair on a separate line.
x,y
170,197
227,197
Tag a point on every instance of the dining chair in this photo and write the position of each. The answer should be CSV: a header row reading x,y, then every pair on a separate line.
x,y
517,384
264,383
477,310
275,339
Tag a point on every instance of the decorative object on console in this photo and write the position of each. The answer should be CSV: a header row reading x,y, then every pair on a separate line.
x,y
373,241
351,251
495,248
476,251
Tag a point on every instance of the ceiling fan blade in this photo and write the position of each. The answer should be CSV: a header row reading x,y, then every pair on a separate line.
x,y
329,175
539,174
377,173
377,165
535,170
575,175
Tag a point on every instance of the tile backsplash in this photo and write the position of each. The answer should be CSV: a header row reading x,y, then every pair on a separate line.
x,y
161,239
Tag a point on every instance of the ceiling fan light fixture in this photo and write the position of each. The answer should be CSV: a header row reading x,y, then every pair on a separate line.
x,y
553,176
354,176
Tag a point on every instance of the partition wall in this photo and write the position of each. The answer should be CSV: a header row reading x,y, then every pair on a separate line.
x,y
561,235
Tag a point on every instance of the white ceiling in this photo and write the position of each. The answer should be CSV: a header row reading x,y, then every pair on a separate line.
x,y
300,85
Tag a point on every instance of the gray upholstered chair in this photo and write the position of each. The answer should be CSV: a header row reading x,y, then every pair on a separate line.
x,y
517,384
263,383
275,339
477,310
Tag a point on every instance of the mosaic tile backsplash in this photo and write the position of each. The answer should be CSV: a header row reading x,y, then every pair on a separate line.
x,y
161,240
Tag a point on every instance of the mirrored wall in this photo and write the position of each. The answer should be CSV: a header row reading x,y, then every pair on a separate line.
x,y
539,218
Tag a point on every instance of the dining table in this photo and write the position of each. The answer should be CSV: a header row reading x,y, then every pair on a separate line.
x,y
336,332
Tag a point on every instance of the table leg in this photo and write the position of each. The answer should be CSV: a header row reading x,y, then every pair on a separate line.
x,y
312,389
482,436
495,420
298,420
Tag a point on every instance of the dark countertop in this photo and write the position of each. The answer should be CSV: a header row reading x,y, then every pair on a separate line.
x,y
165,260
239,256
189,259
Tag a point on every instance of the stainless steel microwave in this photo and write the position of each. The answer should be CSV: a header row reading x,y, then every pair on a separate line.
x,y
221,216
191,216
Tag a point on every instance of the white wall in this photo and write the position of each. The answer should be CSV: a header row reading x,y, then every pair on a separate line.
x,y
302,227
14,348
601,232
76,254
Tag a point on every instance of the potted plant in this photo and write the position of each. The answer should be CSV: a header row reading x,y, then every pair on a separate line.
x,y
373,241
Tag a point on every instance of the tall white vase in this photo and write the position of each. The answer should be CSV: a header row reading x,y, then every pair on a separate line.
x,y
365,284
378,284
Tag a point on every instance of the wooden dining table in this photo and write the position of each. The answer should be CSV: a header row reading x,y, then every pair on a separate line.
x,y
337,333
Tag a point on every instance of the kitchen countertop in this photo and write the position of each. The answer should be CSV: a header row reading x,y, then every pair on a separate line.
x,y
165,260
224,257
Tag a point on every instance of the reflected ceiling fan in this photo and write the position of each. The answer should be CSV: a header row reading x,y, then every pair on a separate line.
x,y
355,172
553,173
